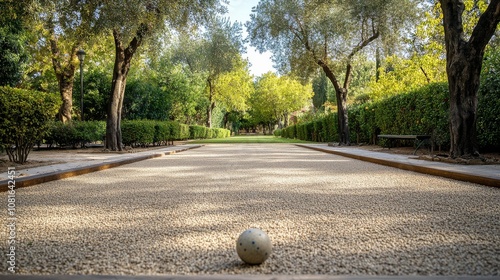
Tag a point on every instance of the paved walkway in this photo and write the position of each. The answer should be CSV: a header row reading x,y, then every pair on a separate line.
x,y
75,164
482,174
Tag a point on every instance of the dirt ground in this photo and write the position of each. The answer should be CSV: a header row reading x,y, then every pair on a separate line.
x,y
48,156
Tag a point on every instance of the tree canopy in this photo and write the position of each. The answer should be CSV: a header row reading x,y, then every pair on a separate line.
x,y
305,35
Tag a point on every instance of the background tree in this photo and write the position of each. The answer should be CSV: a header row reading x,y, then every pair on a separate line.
x,y
217,53
233,89
464,58
13,38
276,97
320,89
327,33
63,27
143,20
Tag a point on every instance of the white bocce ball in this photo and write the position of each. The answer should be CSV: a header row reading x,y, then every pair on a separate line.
x,y
253,246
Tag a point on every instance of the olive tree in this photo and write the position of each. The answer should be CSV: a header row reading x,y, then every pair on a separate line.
x,y
132,23
306,34
464,58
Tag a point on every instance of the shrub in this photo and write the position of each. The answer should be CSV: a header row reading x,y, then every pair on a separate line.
x,y
90,131
488,109
62,134
422,111
162,133
202,132
24,119
221,133
184,132
138,133
277,132
198,132
74,133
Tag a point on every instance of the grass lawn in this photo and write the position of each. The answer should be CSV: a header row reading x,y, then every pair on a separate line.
x,y
249,139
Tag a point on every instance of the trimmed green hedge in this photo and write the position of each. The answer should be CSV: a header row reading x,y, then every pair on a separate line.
x,y
422,111
75,133
135,133
138,132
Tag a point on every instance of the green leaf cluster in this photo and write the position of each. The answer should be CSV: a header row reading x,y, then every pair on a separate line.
x,y
488,109
421,111
142,133
24,119
75,133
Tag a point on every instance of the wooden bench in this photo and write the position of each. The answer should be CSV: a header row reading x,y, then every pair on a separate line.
x,y
419,139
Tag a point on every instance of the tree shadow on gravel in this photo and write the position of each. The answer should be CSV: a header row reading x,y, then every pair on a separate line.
x,y
182,215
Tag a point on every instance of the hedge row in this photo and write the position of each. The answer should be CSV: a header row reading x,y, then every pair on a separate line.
x,y
74,133
134,132
202,132
422,111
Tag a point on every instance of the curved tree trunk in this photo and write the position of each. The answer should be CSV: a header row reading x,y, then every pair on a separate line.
x,y
211,104
343,119
65,73
464,71
123,57
463,66
66,91
341,97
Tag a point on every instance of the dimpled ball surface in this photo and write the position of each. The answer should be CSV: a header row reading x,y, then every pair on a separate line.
x,y
253,246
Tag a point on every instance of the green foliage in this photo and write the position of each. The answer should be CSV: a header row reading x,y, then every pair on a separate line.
x,y
75,133
162,133
62,134
13,39
400,75
179,131
221,133
13,56
97,86
320,89
144,99
276,97
90,131
202,132
198,132
138,132
24,118
144,132
488,111
135,133
421,111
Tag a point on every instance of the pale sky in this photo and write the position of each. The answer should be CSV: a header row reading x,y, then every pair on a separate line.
x,y
240,10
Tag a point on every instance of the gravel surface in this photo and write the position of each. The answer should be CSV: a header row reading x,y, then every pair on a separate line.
x,y
325,214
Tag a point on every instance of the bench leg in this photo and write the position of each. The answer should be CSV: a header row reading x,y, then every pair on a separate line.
x,y
419,143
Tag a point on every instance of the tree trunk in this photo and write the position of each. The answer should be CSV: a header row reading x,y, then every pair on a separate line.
x,y
211,104
377,64
285,119
66,91
123,57
65,75
463,66
463,78
341,97
343,119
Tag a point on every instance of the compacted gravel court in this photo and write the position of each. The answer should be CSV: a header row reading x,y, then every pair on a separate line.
x,y
325,214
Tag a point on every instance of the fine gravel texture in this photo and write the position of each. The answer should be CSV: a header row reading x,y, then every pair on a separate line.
x,y
325,214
